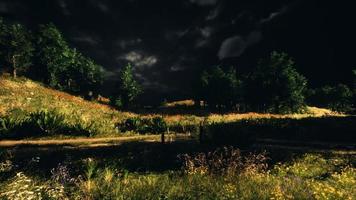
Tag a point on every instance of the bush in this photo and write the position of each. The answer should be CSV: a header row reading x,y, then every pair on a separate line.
x,y
45,122
222,161
154,125
8,125
337,98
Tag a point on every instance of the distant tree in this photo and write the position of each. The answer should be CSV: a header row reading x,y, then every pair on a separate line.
x,y
129,89
276,86
15,47
219,88
337,98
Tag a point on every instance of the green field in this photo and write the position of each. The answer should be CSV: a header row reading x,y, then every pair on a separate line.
x,y
88,150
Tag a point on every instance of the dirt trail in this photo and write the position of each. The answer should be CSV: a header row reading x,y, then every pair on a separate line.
x,y
77,141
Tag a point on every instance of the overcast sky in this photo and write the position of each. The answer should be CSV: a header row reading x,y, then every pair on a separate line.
x,y
169,41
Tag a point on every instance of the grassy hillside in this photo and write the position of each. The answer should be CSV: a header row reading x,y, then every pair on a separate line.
x,y
22,96
18,97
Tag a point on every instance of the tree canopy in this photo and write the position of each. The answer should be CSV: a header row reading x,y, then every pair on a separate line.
x,y
219,88
16,47
128,89
276,86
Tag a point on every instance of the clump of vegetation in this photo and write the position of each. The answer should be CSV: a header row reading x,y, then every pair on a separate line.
x,y
337,98
49,123
225,161
155,125
45,122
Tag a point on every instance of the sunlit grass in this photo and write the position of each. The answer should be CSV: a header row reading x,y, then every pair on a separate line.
x,y
324,178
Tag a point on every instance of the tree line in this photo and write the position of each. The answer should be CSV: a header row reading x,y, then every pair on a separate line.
x,y
273,86
46,56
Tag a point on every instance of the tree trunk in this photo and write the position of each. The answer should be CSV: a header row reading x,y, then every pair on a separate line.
x,y
14,73
14,69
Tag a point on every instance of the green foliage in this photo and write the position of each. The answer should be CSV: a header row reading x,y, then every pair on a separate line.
x,y
275,86
49,123
63,67
219,88
154,125
8,124
16,47
208,176
45,122
337,98
308,166
129,89
53,54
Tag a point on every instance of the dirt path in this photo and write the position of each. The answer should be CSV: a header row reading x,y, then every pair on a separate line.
x,y
77,141
90,141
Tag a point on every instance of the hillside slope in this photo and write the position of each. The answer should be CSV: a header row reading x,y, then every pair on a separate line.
x,y
21,96
18,96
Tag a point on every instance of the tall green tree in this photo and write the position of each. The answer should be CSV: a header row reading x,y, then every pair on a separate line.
x,y
276,86
129,89
83,75
219,88
63,67
16,47
53,55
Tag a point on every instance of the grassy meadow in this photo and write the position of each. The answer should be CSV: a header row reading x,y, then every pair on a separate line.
x,y
19,98
219,166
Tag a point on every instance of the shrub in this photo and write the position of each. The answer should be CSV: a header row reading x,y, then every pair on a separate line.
x,y
154,125
8,124
223,161
45,122
158,125
337,98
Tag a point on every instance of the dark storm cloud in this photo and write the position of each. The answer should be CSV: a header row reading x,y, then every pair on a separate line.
x,y
101,5
87,39
10,7
169,42
64,6
204,2
139,59
126,43
214,13
3,7
236,45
